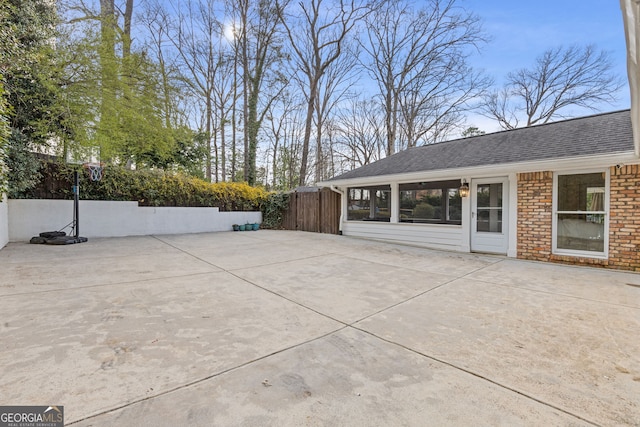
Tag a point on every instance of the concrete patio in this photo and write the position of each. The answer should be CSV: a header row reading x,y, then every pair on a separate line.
x,y
291,328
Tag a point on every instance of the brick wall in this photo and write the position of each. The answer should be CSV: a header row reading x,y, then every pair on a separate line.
x,y
535,216
535,192
624,218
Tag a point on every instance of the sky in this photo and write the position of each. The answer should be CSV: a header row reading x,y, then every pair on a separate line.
x,y
522,30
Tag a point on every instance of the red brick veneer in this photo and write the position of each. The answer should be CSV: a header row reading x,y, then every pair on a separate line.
x,y
535,217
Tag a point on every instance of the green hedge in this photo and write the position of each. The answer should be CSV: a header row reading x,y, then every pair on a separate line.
x,y
157,188
148,188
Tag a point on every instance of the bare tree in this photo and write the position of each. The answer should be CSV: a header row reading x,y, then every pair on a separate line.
x,y
223,95
361,135
317,40
560,78
278,121
195,31
419,60
334,86
258,29
157,22
285,131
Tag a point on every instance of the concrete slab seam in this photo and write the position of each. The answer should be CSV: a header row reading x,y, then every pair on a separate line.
x,y
633,307
482,377
353,325
231,272
420,294
209,377
150,279
227,270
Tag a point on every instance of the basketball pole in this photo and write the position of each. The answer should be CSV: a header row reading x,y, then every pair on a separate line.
x,y
60,237
76,199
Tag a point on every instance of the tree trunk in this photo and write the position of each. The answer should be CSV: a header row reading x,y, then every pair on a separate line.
x,y
252,126
126,39
223,148
215,157
108,73
319,159
275,162
313,93
389,120
234,136
209,113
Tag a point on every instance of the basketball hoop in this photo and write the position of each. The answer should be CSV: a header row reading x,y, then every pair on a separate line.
x,y
95,170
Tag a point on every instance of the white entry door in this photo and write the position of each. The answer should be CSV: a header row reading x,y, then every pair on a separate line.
x,y
490,215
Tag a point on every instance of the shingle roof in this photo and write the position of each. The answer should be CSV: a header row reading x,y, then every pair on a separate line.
x,y
606,133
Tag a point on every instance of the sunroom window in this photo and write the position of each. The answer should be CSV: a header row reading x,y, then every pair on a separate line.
x,y
369,203
581,213
436,202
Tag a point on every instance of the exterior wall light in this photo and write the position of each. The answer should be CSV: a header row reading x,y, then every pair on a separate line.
x,y
464,189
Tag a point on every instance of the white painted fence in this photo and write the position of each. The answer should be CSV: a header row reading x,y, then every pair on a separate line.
x,y
27,218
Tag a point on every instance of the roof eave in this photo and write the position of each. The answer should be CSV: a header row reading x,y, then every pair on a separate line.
x,y
569,163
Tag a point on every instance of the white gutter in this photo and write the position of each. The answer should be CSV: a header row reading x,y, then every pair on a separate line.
x,y
591,161
341,193
631,19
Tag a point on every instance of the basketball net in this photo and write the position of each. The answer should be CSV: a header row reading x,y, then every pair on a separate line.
x,y
95,170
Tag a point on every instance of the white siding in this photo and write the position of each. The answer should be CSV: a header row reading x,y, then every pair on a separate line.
x,y
436,236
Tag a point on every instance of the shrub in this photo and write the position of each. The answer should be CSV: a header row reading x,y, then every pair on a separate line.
x,y
273,209
423,211
147,187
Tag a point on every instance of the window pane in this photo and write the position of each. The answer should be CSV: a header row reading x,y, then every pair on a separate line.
x,y
581,192
359,202
421,205
583,232
455,205
369,204
382,211
436,202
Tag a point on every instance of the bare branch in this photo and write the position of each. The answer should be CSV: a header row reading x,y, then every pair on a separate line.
x,y
419,60
578,76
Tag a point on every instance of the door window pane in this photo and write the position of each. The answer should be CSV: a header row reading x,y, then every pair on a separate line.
x,y
489,208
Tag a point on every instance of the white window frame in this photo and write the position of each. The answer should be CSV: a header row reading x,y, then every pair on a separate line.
x,y
445,194
606,212
372,190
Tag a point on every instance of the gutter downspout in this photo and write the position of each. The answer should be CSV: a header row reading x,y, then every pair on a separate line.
x,y
341,193
631,19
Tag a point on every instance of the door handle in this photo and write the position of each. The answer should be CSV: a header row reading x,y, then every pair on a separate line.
x,y
473,214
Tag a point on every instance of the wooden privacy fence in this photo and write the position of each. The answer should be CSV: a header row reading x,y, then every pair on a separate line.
x,y
317,211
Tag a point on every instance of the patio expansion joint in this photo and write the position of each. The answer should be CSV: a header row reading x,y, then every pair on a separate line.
x,y
406,300
230,271
206,378
354,326
540,291
101,285
477,375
